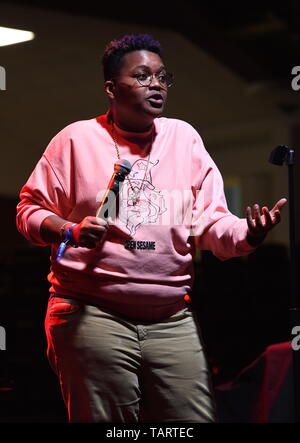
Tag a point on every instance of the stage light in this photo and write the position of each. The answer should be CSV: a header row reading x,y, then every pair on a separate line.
x,y
10,36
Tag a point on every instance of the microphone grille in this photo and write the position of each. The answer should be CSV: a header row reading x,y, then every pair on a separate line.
x,y
123,166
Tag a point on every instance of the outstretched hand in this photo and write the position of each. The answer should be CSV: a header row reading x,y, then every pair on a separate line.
x,y
260,224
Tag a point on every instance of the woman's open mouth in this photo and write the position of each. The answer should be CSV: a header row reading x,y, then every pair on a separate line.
x,y
156,100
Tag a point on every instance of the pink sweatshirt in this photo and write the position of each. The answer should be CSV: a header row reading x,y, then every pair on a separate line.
x,y
144,267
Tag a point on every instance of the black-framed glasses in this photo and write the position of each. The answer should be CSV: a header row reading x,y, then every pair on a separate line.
x,y
166,79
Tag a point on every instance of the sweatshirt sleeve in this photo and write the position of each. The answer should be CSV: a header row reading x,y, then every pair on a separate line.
x,y
44,194
215,228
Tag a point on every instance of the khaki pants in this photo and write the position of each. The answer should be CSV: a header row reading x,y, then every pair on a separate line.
x,y
115,370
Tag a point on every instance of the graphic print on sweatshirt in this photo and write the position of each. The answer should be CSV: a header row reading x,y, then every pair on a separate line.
x,y
148,206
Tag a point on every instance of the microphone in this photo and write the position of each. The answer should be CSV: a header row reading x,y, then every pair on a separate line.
x,y
107,205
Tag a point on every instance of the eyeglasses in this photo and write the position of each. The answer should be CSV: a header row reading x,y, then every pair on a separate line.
x,y
165,79
145,79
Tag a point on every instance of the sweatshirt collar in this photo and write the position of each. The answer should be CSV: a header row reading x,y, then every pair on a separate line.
x,y
128,135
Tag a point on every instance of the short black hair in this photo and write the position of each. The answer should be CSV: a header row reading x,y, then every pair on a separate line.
x,y
116,49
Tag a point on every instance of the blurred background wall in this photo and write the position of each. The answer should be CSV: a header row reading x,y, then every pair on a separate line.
x,y
232,69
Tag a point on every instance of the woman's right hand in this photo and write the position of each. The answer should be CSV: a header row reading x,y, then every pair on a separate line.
x,y
89,232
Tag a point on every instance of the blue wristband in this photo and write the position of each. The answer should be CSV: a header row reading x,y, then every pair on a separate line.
x,y
63,244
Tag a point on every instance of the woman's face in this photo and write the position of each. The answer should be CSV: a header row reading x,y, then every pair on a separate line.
x,y
135,104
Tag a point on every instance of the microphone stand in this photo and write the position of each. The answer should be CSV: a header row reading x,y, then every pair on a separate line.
x,y
280,155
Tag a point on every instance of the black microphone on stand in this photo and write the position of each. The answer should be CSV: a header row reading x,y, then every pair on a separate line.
x,y
108,206
280,155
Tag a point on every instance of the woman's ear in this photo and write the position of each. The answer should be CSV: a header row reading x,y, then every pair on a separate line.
x,y
109,88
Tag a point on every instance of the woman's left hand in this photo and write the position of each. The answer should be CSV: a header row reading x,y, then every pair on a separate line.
x,y
260,224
